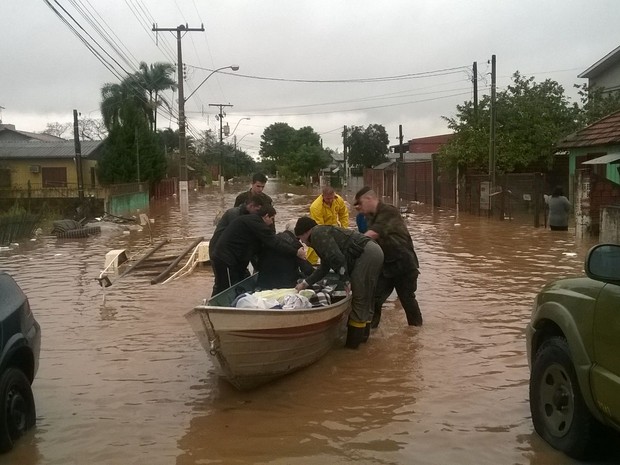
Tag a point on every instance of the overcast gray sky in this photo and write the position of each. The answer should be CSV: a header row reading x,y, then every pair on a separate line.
x,y
288,51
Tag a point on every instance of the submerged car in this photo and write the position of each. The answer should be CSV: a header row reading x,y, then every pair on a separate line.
x,y
573,345
20,344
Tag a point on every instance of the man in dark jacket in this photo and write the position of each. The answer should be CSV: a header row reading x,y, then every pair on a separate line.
x,y
277,270
401,267
258,184
252,204
241,241
357,260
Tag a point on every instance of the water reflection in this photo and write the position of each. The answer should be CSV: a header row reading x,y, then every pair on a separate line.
x,y
125,380
340,407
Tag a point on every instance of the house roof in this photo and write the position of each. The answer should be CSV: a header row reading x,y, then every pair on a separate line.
x,y
605,131
9,128
337,156
430,144
383,166
602,65
33,149
605,159
410,157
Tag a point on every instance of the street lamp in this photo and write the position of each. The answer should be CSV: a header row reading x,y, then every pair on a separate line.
x,y
239,141
233,67
237,125
235,152
183,187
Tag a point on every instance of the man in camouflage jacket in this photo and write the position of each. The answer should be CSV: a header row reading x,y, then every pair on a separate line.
x,y
356,258
400,267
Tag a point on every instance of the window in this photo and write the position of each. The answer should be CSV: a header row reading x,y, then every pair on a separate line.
x,y
5,177
54,177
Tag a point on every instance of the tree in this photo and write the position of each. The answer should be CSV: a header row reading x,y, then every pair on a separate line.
x,y
307,161
291,151
367,147
277,143
596,103
118,102
156,78
531,118
92,129
131,152
59,129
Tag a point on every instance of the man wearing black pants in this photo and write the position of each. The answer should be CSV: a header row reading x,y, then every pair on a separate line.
x,y
400,267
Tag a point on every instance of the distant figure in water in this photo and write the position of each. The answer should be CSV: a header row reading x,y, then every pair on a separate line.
x,y
559,209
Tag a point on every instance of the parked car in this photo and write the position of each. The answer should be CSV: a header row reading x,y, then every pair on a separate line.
x,y
573,345
20,344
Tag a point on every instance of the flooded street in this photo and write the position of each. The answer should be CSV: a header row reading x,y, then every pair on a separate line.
x,y
125,380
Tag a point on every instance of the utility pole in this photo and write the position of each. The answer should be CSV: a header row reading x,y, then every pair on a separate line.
x,y
183,187
492,138
492,127
474,78
399,167
78,157
138,158
221,116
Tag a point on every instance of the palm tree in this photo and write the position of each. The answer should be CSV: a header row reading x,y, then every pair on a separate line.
x,y
116,99
156,78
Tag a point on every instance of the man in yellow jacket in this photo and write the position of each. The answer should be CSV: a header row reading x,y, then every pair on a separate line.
x,y
328,208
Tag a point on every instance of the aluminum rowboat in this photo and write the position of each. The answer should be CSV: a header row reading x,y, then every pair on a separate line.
x,y
251,347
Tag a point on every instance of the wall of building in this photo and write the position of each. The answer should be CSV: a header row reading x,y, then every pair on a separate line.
x,y
610,79
25,171
610,224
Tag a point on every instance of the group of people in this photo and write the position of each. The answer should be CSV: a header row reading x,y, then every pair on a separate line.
x,y
371,262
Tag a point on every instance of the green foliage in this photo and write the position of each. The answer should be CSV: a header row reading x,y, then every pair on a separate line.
x,y
132,149
127,145
367,147
295,153
277,143
531,118
155,79
596,103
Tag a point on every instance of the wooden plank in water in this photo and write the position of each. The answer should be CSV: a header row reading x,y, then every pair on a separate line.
x,y
164,274
147,255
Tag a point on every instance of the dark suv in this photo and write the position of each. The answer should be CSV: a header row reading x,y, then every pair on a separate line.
x,y
573,344
20,343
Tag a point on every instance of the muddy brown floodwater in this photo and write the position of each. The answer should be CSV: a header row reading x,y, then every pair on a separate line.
x,y
125,381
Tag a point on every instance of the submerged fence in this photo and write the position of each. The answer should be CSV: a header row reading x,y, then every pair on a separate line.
x,y
17,225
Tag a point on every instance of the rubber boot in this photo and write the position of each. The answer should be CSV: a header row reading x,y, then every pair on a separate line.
x,y
355,337
366,332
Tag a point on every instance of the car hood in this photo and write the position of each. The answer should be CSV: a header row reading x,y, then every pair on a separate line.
x,y
574,287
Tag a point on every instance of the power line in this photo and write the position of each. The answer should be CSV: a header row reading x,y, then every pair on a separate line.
x,y
399,77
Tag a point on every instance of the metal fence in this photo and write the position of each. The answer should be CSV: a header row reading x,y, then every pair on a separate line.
x,y
17,225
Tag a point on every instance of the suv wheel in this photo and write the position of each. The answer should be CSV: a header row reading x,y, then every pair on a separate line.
x,y
17,412
559,413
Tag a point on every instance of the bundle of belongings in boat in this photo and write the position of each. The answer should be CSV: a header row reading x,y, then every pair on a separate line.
x,y
285,298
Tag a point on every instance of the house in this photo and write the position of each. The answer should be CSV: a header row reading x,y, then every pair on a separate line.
x,y
334,173
418,179
594,170
605,73
36,168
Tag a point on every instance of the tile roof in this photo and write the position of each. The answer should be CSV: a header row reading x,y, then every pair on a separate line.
x,y
16,150
605,131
